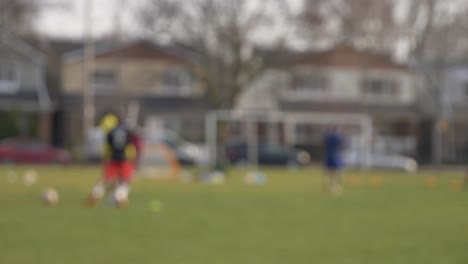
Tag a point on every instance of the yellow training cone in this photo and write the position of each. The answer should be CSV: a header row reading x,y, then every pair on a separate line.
x,y
456,185
354,181
376,181
431,182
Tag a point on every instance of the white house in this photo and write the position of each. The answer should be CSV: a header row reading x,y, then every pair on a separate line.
x,y
344,80
454,106
23,87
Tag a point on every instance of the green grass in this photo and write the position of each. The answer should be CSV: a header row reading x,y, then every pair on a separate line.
x,y
289,220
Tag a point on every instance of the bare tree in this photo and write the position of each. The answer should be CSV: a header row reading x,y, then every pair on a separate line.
x,y
226,36
16,15
430,33
383,25
367,24
424,26
436,34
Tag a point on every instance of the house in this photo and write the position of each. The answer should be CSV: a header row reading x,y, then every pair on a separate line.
x,y
25,104
343,80
158,83
54,49
453,101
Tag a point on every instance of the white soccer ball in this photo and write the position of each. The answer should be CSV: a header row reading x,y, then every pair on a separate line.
x,y
50,196
186,177
217,178
255,178
120,195
30,177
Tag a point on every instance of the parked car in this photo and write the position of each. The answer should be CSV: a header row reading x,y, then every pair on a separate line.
x,y
380,161
268,154
27,150
188,153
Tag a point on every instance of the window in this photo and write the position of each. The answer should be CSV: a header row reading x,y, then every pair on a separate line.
x,y
176,82
380,88
8,77
7,71
312,82
171,123
308,133
465,85
104,81
192,128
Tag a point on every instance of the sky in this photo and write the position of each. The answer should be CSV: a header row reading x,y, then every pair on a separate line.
x,y
67,19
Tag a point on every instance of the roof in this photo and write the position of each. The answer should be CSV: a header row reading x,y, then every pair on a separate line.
x,y
136,49
61,46
26,101
461,64
149,103
52,45
345,107
345,56
22,47
56,47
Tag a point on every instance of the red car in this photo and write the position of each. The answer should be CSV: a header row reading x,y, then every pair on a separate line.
x,y
26,150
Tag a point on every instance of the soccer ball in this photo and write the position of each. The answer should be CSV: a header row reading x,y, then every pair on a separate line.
x,y
255,178
30,177
50,196
186,177
120,195
217,178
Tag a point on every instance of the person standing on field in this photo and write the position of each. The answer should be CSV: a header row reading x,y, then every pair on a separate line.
x,y
333,162
119,157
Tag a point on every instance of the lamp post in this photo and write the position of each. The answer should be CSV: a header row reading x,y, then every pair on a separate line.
x,y
88,70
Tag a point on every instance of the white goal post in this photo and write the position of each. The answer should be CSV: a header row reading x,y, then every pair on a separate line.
x,y
290,121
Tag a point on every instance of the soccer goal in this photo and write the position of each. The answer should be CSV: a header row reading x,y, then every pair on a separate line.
x,y
292,129
158,160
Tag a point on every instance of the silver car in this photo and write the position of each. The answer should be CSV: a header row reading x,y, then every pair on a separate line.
x,y
380,161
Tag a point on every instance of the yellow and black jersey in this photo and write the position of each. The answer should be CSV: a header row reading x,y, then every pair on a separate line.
x,y
118,145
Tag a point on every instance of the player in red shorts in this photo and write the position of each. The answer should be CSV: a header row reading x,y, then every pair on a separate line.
x,y
119,156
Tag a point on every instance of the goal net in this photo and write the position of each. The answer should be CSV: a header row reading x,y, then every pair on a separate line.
x,y
158,160
303,131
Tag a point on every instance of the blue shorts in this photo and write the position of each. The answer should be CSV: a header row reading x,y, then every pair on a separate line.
x,y
333,163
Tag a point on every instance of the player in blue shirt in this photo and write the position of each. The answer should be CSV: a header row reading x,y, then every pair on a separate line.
x,y
333,162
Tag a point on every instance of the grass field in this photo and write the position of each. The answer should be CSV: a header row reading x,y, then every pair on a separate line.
x,y
289,220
